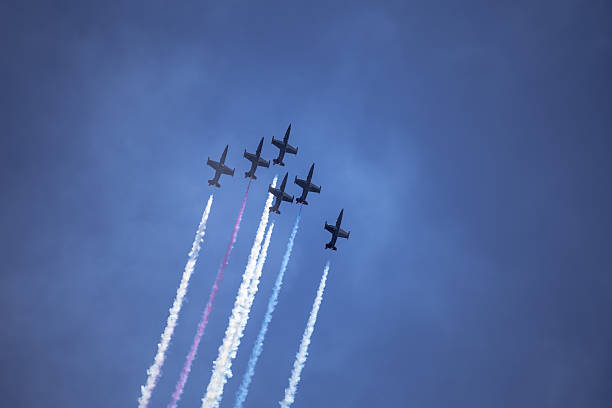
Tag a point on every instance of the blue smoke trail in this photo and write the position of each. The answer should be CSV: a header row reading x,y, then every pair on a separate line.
x,y
258,348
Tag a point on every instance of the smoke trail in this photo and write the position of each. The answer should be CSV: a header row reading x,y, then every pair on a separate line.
x,y
180,385
300,358
253,287
261,260
227,350
258,348
154,371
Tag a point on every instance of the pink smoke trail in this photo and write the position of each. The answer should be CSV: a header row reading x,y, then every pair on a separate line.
x,y
180,385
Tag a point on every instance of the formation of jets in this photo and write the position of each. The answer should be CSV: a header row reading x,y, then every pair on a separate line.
x,y
279,193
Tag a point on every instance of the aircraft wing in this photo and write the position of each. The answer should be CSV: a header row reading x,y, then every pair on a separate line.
x,y
287,197
226,170
314,188
291,149
277,143
330,228
263,163
249,156
342,233
274,191
213,164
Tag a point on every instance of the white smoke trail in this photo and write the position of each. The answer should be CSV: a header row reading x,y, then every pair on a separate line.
x,y
253,287
222,365
258,348
261,260
154,371
300,358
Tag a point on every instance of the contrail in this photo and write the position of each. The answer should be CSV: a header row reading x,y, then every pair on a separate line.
x,y
227,350
300,358
154,371
180,385
258,348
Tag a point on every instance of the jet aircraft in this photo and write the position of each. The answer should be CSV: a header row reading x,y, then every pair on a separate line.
x,y
336,232
255,160
307,186
220,168
283,147
280,195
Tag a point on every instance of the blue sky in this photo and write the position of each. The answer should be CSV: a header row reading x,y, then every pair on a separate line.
x,y
467,142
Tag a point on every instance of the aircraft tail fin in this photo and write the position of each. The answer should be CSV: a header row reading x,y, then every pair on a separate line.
x,y
212,182
279,162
